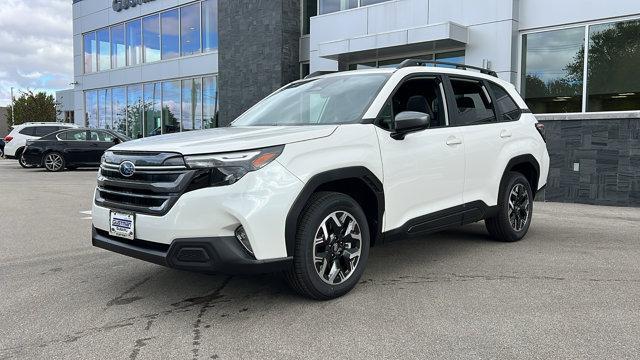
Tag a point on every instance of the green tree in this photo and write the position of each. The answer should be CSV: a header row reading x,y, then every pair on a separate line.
x,y
31,107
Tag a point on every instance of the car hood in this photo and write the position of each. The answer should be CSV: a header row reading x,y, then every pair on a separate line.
x,y
227,139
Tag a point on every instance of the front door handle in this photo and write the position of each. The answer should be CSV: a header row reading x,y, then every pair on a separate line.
x,y
454,140
505,134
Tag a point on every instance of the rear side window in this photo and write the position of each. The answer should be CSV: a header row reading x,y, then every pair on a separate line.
x,y
45,130
29,131
509,109
473,103
74,135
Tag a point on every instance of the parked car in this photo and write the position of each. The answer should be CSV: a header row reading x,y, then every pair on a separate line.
x,y
17,138
312,176
70,149
1,148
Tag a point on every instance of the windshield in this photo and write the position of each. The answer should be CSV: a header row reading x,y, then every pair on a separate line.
x,y
331,100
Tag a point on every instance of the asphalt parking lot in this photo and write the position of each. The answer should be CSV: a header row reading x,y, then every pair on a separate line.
x,y
569,290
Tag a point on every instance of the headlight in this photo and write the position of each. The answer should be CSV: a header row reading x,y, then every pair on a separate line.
x,y
227,168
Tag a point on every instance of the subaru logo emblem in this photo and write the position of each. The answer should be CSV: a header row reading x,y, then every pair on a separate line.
x,y
127,168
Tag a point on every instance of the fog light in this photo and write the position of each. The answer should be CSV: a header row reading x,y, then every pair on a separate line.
x,y
242,237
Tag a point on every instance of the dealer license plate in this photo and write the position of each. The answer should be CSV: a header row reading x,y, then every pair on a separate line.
x,y
122,225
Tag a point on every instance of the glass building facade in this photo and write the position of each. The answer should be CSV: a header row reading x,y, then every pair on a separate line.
x,y
155,108
182,31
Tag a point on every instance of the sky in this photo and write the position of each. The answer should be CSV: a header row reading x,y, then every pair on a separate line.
x,y
36,46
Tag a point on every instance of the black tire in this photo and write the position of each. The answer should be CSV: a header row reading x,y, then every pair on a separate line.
x,y
47,162
21,160
305,277
501,226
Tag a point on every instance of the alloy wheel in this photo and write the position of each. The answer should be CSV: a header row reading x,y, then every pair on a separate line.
x,y
337,247
53,162
519,208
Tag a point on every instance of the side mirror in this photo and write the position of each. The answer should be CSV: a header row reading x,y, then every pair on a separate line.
x,y
410,121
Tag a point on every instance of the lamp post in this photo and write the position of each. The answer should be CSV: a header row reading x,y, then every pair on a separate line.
x,y
13,109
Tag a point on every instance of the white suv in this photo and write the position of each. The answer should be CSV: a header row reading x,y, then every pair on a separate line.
x,y
316,173
16,141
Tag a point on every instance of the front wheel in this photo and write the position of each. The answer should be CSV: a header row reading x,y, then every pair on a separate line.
x,y
53,162
332,247
515,202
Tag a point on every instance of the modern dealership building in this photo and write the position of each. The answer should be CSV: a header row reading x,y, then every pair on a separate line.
x,y
148,67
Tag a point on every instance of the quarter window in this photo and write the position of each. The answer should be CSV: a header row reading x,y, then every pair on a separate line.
x,y
472,102
509,109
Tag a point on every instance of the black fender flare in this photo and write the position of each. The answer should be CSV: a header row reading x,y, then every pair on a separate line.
x,y
355,172
522,159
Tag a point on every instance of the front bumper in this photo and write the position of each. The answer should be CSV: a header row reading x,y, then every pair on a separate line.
x,y
208,255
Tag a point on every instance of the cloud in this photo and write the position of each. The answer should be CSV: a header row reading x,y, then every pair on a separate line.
x,y
37,46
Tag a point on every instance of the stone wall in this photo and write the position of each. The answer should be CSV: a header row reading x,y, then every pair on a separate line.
x,y
258,51
594,161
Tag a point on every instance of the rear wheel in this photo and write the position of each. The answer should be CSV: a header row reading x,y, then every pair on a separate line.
x,y
513,219
22,161
332,247
54,162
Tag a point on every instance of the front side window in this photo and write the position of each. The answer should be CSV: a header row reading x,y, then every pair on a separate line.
x,y
190,29
133,31
509,109
553,64
472,102
331,100
613,82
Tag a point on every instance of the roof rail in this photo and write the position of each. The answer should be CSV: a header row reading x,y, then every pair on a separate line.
x,y
419,62
319,73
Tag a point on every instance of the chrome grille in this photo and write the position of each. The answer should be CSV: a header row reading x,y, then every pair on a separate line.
x,y
153,189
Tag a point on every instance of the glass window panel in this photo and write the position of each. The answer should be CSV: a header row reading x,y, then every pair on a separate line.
x,y
151,38
191,104
310,10
613,67
509,109
152,109
456,57
170,106
210,102
210,25
90,52
91,108
553,63
76,135
474,107
135,107
104,109
170,34
329,6
134,42
104,49
118,50
190,29
119,103
371,2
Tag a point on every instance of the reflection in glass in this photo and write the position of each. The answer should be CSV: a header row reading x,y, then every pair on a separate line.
x,y
104,49
309,10
614,67
152,110
135,108
90,52
170,34
104,109
91,108
329,6
119,109
133,31
209,25
118,50
190,29
171,106
553,63
370,2
151,38
191,104
456,57
210,102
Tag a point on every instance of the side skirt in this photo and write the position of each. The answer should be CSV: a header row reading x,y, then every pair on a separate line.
x,y
442,220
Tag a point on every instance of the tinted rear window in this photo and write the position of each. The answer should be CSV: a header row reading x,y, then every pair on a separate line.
x,y
29,131
45,130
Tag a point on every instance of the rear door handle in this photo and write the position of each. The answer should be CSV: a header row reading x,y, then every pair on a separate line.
x,y
454,140
505,134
